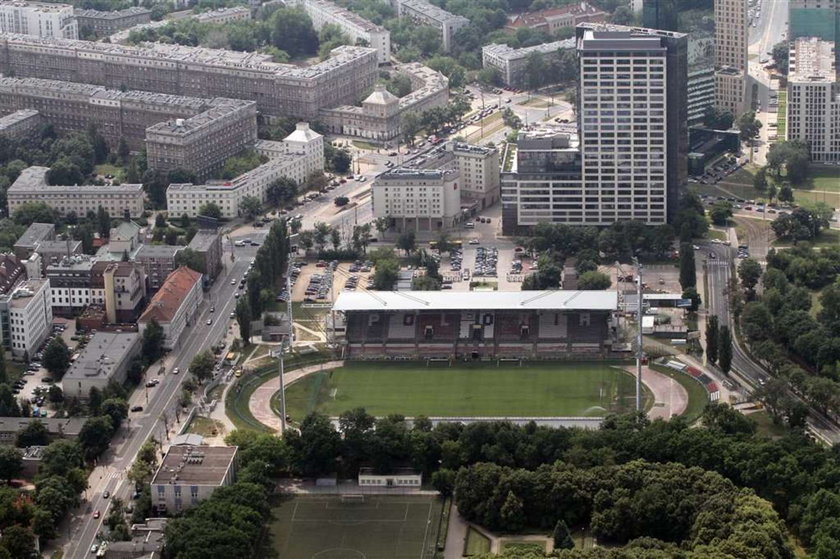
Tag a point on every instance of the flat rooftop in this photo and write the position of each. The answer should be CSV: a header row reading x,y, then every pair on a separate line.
x,y
67,426
195,465
35,233
812,61
401,173
22,295
475,301
509,53
102,356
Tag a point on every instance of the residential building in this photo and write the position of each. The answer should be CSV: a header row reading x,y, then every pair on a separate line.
x,y
147,542
418,199
223,15
101,24
201,144
57,428
188,475
11,271
208,244
424,13
33,235
158,261
633,123
174,306
356,28
106,358
813,105
731,34
279,89
70,281
552,20
21,125
26,317
118,200
38,19
511,63
479,170
304,155
379,118
124,238
660,14
124,288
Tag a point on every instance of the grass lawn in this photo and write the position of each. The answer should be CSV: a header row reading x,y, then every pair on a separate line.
x,y
826,178
781,114
108,169
476,544
765,426
826,238
523,546
539,389
697,395
379,527
715,234
205,427
364,145
535,102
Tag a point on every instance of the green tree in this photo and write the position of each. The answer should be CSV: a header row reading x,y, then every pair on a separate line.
x,y
34,434
712,333
18,541
116,409
443,481
748,126
243,317
292,32
281,191
95,436
720,213
409,127
153,336
511,513
780,56
57,357
316,448
34,212
8,403
103,222
210,209
407,242
760,179
792,156
190,258
692,295
688,270
250,206
340,161
725,349
749,272
11,463
202,365
562,537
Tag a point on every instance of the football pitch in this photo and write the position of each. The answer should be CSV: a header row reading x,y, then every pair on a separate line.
x,y
376,527
544,389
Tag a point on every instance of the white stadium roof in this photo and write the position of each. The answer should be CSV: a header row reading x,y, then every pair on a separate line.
x,y
476,300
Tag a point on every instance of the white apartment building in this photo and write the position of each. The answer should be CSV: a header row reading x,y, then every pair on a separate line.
x,y
39,19
418,199
511,62
354,26
425,13
479,169
31,186
623,138
813,106
304,155
731,33
26,317
189,474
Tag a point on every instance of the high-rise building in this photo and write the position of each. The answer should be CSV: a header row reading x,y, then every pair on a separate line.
x,y
731,34
813,105
814,18
660,14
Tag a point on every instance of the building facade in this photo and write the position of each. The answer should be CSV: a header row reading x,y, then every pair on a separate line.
x,y
71,281
34,234
189,474
813,106
278,89
11,271
424,13
511,63
21,125
418,199
124,289
479,170
38,19
31,186
357,28
554,19
101,24
174,306
106,358
158,261
26,317
731,35
208,244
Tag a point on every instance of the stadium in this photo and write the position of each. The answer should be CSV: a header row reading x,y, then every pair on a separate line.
x,y
420,325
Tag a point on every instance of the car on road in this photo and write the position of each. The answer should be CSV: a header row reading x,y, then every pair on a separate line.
x,y
232,315
176,370
106,494
151,383
137,408
96,514
94,548
233,281
474,241
212,309
209,321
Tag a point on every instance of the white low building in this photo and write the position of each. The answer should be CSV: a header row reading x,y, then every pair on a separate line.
x,y
174,306
105,359
26,317
418,199
399,479
190,474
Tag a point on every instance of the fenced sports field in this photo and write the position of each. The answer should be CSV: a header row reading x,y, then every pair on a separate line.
x,y
357,527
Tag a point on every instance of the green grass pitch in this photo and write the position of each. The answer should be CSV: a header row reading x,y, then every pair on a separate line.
x,y
548,389
380,527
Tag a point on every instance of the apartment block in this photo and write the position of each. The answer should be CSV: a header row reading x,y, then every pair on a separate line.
x,y
38,19
304,155
813,106
424,13
553,19
278,89
511,62
106,358
731,34
124,288
189,474
418,199
357,28
202,143
32,186
34,234
379,117
479,170
102,24
21,125
208,244
71,281
26,317
174,306
158,261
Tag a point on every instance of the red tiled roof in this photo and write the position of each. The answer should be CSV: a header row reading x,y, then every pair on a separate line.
x,y
164,305
532,19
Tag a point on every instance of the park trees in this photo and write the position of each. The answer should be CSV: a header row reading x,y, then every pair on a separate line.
x,y
250,206
749,272
594,280
748,126
292,32
793,156
11,463
190,258
721,212
202,365
244,318
725,349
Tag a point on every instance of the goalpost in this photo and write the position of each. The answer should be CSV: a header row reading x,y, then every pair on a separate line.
x,y
352,498
517,360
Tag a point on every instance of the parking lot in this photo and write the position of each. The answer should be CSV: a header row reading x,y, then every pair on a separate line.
x,y
720,171
321,284
36,380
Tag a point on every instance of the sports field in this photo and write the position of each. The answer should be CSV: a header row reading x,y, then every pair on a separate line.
x,y
546,389
379,527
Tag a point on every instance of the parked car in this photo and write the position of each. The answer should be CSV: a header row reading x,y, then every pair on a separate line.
x,y
137,408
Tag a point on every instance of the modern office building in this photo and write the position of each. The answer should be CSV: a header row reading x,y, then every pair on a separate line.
x,y
357,28
813,103
189,474
26,317
511,63
174,306
424,13
38,19
278,89
552,20
21,125
660,14
418,199
633,123
700,94
106,358
201,144
31,186
101,24
731,35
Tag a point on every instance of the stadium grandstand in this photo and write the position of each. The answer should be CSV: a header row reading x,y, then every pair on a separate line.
x,y
477,325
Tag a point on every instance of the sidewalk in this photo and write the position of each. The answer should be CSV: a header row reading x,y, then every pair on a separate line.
x,y
456,535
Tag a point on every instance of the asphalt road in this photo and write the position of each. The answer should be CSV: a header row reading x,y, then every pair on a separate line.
x,y
109,475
